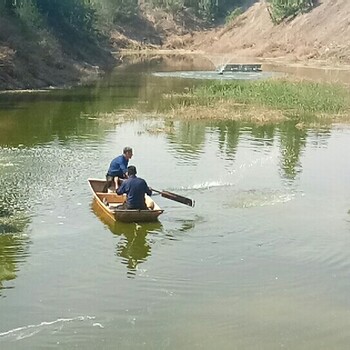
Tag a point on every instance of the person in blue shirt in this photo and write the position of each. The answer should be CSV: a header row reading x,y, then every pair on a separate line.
x,y
135,188
118,168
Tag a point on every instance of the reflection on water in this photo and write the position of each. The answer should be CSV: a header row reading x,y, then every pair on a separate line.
x,y
13,222
186,138
8,260
136,239
134,245
14,248
292,143
321,74
228,138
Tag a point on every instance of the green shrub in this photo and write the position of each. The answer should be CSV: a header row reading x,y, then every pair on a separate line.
x,y
73,19
233,15
281,9
29,14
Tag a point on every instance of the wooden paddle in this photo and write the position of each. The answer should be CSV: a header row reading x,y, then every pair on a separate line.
x,y
175,197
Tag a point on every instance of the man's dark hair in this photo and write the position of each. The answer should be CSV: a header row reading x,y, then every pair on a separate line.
x,y
132,170
127,149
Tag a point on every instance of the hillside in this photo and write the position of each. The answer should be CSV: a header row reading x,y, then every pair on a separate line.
x,y
39,59
322,35
33,59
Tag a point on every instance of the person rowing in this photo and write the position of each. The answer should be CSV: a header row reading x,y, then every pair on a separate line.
x,y
135,188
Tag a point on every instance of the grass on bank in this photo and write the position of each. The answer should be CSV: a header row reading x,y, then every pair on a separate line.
x,y
268,100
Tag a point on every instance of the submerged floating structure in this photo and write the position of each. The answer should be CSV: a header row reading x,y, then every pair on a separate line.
x,y
234,67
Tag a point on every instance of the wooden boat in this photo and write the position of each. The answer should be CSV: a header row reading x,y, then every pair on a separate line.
x,y
111,202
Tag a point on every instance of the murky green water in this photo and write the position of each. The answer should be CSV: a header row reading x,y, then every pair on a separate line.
x,y
261,261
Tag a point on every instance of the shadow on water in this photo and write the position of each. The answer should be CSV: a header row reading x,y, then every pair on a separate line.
x,y
134,245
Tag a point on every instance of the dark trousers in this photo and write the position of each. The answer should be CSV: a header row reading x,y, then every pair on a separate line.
x,y
109,183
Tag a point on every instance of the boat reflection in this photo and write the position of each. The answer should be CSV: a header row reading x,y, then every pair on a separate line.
x,y
134,246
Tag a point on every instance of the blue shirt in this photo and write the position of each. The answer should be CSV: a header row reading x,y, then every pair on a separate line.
x,y
118,167
135,188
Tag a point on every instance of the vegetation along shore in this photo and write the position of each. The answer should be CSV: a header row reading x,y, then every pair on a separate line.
x,y
66,42
265,101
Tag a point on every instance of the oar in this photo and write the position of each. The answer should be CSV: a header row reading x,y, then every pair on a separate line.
x,y
175,197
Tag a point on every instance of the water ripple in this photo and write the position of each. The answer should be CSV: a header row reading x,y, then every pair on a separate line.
x,y
258,198
30,330
206,185
214,75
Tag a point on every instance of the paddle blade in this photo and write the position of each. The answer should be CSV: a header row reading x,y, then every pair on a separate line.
x,y
177,198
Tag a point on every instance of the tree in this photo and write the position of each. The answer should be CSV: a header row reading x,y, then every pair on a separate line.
x,y
282,9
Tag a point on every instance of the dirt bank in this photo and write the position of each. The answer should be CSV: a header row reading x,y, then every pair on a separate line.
x,y
322,35
33,60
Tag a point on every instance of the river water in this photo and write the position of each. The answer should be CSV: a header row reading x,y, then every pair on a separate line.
x,y
260,262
